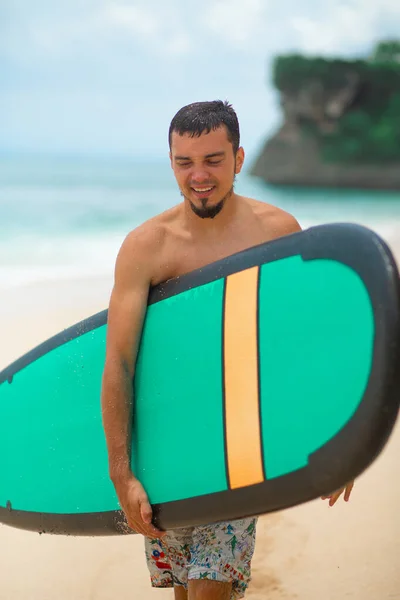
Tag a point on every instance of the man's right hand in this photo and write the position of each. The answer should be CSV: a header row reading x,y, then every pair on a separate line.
x,y
136,507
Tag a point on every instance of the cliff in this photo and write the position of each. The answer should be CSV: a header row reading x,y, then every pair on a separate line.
x,y
341,122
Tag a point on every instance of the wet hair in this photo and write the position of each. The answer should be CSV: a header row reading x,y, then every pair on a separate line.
x,y
202,117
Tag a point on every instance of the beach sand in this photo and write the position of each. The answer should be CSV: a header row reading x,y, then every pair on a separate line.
x,y
310,552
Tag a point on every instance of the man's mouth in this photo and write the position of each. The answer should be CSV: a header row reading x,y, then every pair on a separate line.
x,y
203,192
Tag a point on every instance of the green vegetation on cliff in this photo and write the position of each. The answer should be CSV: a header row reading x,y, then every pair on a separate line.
x,y
364,124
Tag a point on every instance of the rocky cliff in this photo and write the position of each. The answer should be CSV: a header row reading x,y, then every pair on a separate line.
x,y
341,123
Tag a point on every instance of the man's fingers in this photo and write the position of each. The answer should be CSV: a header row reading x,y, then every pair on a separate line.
x,y
348,491
153,532
141,529
145,512
135,527
146,529
335,497
147,515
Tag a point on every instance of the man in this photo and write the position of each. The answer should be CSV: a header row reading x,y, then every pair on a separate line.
x,y
212,222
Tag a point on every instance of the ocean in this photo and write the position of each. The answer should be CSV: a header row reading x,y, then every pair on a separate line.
x,y
66,217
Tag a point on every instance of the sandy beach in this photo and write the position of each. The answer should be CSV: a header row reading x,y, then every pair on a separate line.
x,y
350,551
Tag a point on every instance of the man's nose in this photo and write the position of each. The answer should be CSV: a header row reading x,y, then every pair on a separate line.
x,y
199,175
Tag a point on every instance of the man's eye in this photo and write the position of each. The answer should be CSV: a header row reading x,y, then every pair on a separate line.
x,y
186,164
214,162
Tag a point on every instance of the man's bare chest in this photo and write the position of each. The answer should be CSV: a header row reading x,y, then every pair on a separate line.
x,y
183,256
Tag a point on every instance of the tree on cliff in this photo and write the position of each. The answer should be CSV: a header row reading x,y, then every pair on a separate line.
x,y
387,51
351,106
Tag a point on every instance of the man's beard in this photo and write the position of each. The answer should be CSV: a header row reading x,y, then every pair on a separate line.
x,y
208,212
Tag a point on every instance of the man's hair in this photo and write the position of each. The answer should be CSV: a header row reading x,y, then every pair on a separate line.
x,y
202,117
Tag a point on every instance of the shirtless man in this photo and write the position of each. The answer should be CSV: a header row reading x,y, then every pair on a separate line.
x,y
211,223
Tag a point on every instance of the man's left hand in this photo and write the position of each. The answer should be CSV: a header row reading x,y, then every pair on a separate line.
x,y
333,498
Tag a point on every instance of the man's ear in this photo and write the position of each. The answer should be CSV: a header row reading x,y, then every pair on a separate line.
x,y
239,160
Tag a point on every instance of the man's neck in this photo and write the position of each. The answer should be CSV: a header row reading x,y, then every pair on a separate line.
x,y
211,226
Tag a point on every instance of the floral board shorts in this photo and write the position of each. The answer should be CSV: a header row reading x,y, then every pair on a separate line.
x,y
220,552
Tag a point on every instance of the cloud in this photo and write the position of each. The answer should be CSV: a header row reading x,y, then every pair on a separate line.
x,y
344,27
235,21
112,30
109,73
94,29
134,19
159,26
179,45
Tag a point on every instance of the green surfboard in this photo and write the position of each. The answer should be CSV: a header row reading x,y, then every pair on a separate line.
x,y
263,381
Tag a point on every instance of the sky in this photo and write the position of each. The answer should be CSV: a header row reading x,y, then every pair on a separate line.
x,y
105,77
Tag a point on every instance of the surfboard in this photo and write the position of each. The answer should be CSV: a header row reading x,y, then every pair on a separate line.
x,y
263,381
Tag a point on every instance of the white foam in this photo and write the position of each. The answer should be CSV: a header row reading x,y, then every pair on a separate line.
x,y
31,259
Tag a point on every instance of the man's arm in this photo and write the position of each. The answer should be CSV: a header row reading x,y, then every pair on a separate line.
x,y
126,313
125,319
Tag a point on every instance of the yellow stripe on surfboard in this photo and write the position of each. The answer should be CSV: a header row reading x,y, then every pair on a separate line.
x,y
242,414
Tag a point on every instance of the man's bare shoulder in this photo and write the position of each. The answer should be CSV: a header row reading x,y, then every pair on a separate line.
x,y
281,221
147,239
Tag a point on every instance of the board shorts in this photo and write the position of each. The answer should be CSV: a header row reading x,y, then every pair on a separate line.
x,y
218,552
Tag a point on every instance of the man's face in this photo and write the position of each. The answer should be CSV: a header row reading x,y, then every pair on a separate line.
x,y
205,169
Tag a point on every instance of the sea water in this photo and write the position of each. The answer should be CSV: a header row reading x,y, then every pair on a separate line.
x,y
66,217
